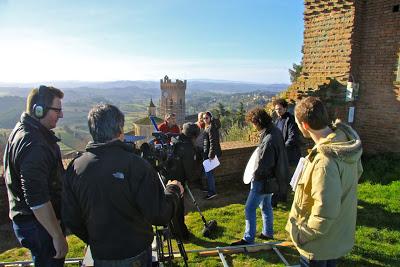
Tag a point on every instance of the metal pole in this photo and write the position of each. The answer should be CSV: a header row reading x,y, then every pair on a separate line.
x,y
221,256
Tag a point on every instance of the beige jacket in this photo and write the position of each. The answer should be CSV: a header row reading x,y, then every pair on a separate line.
x,y
322,220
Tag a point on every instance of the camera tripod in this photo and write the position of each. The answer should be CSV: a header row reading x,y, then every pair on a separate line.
x,y
165,234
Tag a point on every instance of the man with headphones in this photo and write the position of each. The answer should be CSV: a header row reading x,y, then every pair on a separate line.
x,y
33,172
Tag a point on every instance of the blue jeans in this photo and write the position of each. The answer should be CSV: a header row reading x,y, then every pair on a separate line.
x,y
304,262
210,183
257,198
33,236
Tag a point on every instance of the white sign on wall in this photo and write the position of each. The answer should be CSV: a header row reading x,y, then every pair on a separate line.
x,y
350,118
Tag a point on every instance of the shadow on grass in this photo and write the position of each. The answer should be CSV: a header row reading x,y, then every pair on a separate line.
x,y
368,258
381,168
209,243
374,215
233,193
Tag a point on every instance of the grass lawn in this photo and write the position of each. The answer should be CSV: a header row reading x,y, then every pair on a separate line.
x,y
377,234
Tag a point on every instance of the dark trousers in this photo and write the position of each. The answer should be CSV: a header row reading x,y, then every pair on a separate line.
x,y
304,262
180,228
283,197
32,235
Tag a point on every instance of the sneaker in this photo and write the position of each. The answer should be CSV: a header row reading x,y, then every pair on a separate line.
x,y
208,197
240,242
265,237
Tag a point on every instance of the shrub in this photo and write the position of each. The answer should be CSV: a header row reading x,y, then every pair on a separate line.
x,y
381,168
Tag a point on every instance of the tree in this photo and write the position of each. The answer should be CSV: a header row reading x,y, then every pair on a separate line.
x,y
295,71
240,115
221,109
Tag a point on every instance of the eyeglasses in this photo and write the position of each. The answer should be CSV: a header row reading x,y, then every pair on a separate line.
x,y
206,118
58,110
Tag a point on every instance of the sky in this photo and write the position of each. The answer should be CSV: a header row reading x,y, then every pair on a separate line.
x,y
95,40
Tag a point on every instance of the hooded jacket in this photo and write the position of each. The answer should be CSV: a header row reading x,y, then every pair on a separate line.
x,y
211,145
322,220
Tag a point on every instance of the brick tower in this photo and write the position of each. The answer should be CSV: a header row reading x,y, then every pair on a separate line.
x,y
173,99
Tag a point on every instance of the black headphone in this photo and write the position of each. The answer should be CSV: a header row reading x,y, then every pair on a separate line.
x,y
39,109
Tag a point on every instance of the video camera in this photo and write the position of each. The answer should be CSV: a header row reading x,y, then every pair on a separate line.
x,y
159,152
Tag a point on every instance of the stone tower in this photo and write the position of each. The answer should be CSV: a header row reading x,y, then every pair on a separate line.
x,y
351,59
173,99
151,109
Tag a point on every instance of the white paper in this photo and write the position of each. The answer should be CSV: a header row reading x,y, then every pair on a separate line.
x,y
210,164
350,118
297,173
251,166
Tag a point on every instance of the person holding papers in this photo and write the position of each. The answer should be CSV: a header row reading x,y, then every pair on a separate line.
x,y
211,149
270,175
322,220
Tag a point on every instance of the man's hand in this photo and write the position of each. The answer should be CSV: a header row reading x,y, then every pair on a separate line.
x,y
61,246
175,182
47,218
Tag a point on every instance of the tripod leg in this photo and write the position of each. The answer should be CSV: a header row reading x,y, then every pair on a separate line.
x,y
181,247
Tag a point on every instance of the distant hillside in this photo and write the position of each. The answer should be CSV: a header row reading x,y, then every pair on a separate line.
x,y
11,108
147,88
232,87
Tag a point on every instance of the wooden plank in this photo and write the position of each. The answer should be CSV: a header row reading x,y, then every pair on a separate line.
x,y
245,248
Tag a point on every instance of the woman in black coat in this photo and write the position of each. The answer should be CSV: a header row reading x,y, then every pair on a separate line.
x,y
211,148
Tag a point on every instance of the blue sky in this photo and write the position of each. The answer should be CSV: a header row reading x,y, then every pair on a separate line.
x,y
255,41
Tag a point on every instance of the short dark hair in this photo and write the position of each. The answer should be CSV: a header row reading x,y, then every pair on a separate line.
x,y
312,111
48,95
105,122
280,101
260,117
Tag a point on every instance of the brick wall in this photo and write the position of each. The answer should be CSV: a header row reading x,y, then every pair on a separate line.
x,y
328,46
378,107
358,39
233,161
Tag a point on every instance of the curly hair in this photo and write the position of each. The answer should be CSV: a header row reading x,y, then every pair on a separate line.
x,y
259,116
282,102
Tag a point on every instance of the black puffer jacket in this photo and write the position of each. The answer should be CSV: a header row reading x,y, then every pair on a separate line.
x,y
111,199
273,162
33,168
211,145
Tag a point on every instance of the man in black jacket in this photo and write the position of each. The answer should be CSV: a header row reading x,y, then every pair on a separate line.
x,y
269,176
33,173
291,136
111,197
181,168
